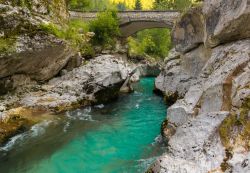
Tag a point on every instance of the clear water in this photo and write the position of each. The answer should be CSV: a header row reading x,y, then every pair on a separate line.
x,y
119,137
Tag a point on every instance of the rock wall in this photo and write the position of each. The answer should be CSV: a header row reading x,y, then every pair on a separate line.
x,y
208,78
54,9
25,49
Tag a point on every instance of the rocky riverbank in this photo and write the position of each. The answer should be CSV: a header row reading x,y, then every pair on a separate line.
x,y
97,82
42,74
207,77
35,76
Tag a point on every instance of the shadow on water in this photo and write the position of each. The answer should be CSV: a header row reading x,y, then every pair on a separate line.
x,y
112,138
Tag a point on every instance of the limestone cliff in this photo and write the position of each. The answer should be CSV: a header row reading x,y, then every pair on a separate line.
x,y
54,9
26,51
208,78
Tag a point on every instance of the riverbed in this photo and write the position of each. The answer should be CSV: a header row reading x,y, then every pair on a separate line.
x,y
119,137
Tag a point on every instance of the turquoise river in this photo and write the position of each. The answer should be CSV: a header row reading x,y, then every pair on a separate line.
x,y
119,137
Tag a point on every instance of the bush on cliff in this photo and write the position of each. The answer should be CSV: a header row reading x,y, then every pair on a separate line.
x,y
106,28
74,32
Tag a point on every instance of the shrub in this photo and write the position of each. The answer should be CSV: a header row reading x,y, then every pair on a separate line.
x,y
74,32
106,28
52,29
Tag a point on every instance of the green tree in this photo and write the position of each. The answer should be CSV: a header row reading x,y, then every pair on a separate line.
x,y
153,42
138,5
79,4
106,28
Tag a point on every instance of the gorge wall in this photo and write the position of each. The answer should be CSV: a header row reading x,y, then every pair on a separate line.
x,y
26,51
207,77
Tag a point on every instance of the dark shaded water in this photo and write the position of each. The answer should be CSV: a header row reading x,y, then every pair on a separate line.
x,y
115,138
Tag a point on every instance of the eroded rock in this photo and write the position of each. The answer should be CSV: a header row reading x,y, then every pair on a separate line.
x,y
98,81
180,72
29,50
208,129
226,21
188,32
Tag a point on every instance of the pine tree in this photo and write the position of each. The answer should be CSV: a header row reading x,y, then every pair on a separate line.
x,y
138,5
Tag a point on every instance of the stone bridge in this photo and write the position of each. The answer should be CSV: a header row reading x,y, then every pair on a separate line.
x,y
134,21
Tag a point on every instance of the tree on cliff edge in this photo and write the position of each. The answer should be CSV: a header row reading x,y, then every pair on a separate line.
x,y
138,5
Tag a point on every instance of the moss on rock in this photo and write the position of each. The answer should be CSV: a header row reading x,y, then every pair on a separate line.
x,y
7,45
237,126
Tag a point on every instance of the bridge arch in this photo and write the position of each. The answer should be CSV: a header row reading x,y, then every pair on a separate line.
x,y
133,21
130,28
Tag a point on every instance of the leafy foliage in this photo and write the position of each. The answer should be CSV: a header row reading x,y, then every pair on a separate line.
x,y
106,28
72,32
79,4
153,42
138,5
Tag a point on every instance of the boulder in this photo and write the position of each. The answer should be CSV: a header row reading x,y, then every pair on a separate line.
x,y
74,62
188,31
180,72
195,147
26,49
226,21
98,81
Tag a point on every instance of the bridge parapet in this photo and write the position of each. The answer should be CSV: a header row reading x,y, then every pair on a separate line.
x,y
134,21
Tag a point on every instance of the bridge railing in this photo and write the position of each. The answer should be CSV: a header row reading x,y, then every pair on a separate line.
x,y
126,11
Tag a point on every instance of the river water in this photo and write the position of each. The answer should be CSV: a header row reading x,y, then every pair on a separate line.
x,y
120,137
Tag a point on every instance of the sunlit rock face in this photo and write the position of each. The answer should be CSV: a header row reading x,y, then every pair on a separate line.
x,y
210,74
